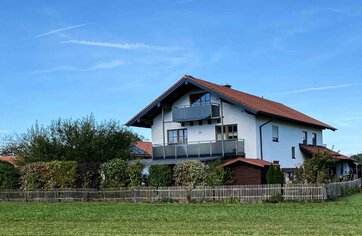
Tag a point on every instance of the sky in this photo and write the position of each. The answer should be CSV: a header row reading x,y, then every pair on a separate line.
x,y
70,59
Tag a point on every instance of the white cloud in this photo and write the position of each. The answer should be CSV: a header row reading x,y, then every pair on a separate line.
x,y
115,45
99,66
59,30
313,89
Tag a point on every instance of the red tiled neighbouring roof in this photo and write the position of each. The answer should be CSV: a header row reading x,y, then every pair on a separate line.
x,y
9,159
261,104
257,105
145,146
311,150
252,161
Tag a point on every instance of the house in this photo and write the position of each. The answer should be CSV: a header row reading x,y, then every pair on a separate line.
x,y
142,150
197,119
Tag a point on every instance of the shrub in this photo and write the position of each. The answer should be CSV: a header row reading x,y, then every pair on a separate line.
x,y
88,175
135,170
217,175
275,175
114,174
9,176
48,175
190,173
160,175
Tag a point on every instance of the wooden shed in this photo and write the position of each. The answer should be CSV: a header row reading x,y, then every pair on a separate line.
x,y
248,171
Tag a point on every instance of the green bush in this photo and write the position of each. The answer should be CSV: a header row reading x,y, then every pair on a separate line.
x,y
88,175
9,176
190,173
275,175
217,175
115,174
135,170
160,175
48,175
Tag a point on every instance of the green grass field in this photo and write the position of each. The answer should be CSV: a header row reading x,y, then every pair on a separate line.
x,y
339,217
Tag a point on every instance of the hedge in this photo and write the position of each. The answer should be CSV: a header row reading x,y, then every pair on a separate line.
x,y
9,176
88,175
160,175
135,173
114,174
48,175
190,173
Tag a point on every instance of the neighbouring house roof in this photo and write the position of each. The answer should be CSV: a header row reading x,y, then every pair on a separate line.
x,y
311,150
142,149
9,159
253,104
251,161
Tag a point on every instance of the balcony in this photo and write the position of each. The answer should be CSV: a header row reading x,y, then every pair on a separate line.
x,y
194,113
198,149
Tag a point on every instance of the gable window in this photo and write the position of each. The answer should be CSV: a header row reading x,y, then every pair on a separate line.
x,y
275,131
314,139
230,132
177,136
305,138
200,99
293,152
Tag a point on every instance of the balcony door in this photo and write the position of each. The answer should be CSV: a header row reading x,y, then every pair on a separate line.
x,y
176,136
230,132
200,99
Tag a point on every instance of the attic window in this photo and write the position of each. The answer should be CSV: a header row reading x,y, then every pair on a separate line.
x,y
275,130
200,99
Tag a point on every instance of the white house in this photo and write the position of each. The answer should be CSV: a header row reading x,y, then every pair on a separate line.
x,y
196,119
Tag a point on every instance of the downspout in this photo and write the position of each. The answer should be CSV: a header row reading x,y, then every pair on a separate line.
x,y
163,134
222,128
261,136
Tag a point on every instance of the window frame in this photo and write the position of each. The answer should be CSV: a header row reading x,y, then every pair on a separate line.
x,y
179,137
293,153
227,132
305,138
314,139
275,139
202,99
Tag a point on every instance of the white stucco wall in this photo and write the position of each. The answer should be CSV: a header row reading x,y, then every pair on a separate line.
x,y
289,135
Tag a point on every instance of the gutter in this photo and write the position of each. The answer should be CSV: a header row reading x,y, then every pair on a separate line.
x,y
261,136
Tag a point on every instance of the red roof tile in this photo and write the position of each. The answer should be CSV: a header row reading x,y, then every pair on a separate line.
x,y
9,159
145,146
311,150
252,161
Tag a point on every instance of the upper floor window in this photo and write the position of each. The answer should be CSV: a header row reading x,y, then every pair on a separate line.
x,y
314,139
305,137
230,132
199,99
293,152
275,131
177,136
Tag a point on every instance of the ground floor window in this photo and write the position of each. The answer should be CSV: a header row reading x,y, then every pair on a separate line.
x,y
230,132
177,136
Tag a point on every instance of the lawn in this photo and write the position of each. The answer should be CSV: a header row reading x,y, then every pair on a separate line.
x,y
339,217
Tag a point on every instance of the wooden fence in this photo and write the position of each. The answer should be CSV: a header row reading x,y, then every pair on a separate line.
x,y
245,193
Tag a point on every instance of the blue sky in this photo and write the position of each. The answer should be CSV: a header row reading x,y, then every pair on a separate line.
x,y
111,58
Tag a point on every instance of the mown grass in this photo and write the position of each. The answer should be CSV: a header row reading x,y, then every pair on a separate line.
x,y
339,217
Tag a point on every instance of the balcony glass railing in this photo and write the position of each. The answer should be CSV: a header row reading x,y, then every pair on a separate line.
x,y
198,149
196,112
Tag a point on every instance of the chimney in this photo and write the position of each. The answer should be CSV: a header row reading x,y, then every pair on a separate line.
x,y
227,85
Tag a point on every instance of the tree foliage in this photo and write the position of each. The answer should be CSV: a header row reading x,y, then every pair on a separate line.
x,y
275,175
190,173
88,175
160,175
9,176
81,140
317,169
217,175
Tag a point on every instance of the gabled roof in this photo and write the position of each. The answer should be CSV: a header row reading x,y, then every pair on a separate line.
x,y
253,104
311,150
251,161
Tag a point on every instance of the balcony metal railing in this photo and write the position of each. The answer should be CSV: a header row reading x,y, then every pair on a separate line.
x,y
198,149
196,112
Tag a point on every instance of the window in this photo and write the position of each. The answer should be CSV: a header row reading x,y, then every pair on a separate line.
x,y
314,139
293,152
230,132
177,136
199,99
275,130
305,138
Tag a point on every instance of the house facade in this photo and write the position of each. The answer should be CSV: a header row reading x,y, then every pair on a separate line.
x,y
196,119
